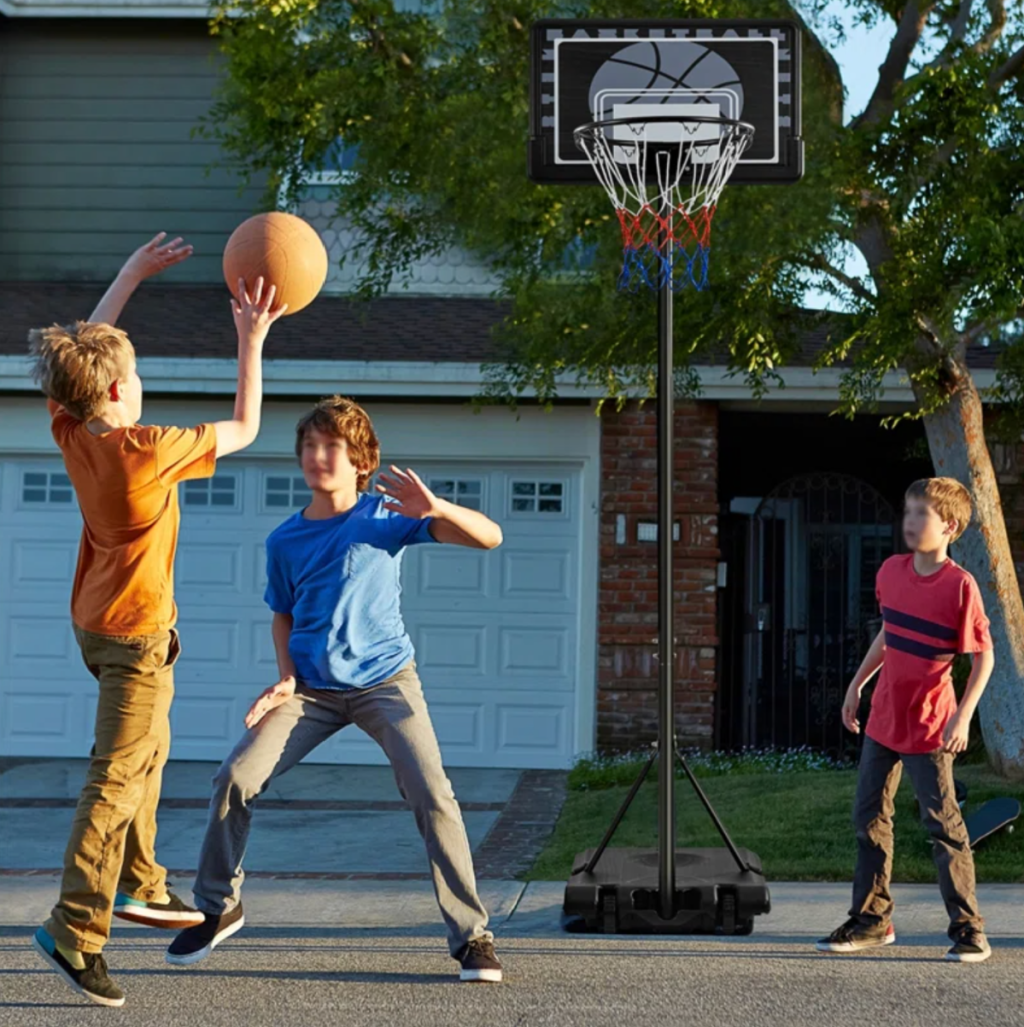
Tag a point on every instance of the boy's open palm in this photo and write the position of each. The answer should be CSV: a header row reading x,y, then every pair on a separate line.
x,y
156,256
273,697
407,493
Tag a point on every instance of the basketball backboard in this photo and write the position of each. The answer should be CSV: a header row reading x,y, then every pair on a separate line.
x,y
587,70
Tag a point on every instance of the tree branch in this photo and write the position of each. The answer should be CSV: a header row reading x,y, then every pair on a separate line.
x,y
963,17
819,263
1012,67
997,22
983,326
894,67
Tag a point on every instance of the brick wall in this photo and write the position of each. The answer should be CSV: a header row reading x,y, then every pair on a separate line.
x,y
628,599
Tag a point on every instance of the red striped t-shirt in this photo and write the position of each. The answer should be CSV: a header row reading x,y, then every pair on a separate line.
x,y
928,620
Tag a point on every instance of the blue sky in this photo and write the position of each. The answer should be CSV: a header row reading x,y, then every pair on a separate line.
x,y
858,57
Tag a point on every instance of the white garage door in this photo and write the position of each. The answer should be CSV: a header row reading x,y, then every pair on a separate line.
x,y
496,633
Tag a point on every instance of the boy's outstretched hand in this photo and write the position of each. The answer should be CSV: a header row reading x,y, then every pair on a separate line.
x,y
408,494
256,313
850,706
273,697
156,256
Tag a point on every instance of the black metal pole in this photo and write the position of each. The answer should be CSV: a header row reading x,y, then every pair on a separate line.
x,y
666,618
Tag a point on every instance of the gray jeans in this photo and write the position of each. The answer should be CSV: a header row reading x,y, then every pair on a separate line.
x,y
932,776
395,715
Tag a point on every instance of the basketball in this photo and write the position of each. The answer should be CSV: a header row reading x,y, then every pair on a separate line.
x,y
285,250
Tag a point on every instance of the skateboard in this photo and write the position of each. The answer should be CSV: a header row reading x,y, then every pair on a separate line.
x,y
991,817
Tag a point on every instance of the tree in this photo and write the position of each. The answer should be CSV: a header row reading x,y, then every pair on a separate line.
x,y
924,184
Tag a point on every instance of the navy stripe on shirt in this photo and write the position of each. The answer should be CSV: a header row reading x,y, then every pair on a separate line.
x,y
915,648
918,624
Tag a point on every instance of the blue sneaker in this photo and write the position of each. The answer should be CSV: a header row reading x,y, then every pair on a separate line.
x,y
92,981
173,913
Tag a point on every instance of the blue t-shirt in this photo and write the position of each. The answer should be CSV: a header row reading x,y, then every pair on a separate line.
x,y
339,578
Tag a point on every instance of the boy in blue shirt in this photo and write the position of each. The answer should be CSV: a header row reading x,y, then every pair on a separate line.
x,y
344,657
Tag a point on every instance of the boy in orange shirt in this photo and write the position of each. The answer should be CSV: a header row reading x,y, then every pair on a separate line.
x,y
125,476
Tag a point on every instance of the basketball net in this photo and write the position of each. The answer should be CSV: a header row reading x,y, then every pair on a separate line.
x,y
664,176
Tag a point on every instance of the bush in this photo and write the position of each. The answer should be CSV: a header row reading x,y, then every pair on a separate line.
x,y
609,770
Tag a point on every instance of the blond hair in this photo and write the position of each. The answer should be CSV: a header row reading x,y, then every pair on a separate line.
x,y
75,364
344,419
947,497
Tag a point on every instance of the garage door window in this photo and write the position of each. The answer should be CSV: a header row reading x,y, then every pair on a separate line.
x,y
285,492
219,492
468,492
46,489
542,498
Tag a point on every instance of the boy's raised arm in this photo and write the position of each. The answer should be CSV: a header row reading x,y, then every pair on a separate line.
x,y
148,260
253,317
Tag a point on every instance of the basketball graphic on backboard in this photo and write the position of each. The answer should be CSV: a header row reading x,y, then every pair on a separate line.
x,y
656,78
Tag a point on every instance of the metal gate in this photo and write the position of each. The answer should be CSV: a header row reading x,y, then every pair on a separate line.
x,y
814,546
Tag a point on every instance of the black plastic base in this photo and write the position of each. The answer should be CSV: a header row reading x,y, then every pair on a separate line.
x,y
712,894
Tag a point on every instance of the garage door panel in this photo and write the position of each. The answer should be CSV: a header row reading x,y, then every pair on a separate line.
x,y
43,717
205,724
208,645
207,567
446,572
450,649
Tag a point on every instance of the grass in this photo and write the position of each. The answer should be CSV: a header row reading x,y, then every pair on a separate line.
x,y
797,821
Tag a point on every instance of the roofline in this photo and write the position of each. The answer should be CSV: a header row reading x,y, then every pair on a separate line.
x,y
417,379
123,9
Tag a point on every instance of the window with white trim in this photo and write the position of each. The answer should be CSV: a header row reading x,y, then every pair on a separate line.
x,y
219,492
285,492
467,492
46,488
537,496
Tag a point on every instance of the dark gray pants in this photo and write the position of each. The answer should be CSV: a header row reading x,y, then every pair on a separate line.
x,y
395,715
932,777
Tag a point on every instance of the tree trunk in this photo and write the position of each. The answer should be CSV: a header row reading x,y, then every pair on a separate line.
x,y
956,438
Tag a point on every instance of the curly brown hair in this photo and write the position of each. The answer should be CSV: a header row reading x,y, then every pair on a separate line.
x,y
947,497
344,419
75,364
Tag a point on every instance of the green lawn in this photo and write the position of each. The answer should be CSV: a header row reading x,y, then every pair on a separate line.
x,y
797,822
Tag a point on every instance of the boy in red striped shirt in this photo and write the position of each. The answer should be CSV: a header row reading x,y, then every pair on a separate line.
x,y
931,610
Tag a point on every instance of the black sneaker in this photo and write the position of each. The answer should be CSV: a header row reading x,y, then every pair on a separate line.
x,y
853,936
93,981
173,913
969,946
479,962
198,942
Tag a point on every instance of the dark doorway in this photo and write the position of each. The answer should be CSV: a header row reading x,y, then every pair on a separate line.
x,y
810,509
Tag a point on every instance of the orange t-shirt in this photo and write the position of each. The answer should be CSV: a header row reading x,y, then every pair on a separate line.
x,y
126,483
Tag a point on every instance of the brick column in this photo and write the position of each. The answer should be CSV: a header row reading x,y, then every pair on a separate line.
x,y
628,598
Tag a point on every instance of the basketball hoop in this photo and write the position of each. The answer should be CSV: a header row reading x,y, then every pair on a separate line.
x,y
664,174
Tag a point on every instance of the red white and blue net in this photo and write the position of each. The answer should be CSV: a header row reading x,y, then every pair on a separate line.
x,y
664,176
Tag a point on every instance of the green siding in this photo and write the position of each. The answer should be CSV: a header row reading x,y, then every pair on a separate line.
x,y
96,153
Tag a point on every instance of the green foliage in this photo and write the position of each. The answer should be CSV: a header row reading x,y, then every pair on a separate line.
x,y
436,99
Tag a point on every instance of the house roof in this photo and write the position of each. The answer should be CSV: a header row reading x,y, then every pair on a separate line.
x,y
105,9
190,322
195,322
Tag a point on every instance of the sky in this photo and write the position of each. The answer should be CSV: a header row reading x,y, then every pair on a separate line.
x,y
858,57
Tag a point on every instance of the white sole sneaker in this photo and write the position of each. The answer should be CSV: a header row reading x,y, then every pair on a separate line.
x,y
967,957
486,976
848,947
201,954
175,920
99,1000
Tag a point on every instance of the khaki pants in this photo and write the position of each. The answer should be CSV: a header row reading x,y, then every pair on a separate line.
x,y
113,837
932,776
395,715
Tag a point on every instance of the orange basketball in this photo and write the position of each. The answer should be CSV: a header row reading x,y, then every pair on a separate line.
x,y
285,250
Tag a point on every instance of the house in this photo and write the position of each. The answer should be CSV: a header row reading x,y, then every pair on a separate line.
x,y
530,654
